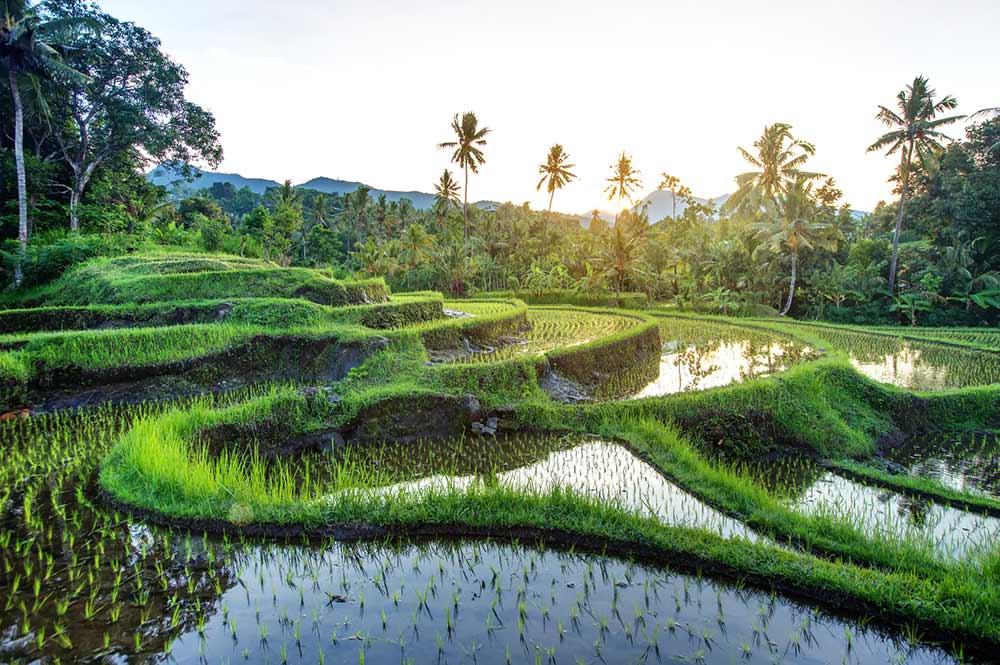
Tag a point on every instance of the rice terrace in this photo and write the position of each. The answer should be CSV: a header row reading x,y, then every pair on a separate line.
x,y
243,420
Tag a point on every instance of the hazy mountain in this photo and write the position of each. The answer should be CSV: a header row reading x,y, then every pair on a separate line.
x,y
661,206
205,179
420,200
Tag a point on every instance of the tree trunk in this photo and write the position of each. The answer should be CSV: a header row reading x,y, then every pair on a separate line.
x,y
791,287
905,169
22,186
74,208
465,207
545,221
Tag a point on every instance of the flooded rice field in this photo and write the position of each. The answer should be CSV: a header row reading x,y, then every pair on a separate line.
x,y
713,364
700,354
966,461
953,533
549,328
82,583
183,598
601,470
915,365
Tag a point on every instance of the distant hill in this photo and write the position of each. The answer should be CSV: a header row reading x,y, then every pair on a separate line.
x,y
205,179
420,200
661,206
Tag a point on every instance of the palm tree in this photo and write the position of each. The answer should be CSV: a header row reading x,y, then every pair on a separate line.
x,y
415,245
914,133
405,210
623,182
357,209
446,190
469,138
30,45
672,184
316,217
555,174
619,258
985,113
778,162
795,230
381,213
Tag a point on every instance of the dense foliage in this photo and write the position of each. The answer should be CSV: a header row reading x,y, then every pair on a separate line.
x,y
784,242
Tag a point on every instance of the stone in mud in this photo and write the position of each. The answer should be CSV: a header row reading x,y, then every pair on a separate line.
x,y
472,408
319,395
479,428
562,389
222,311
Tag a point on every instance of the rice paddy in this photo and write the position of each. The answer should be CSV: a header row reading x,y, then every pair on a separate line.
x,y
911,363
965,461
677,476
82,582
549,328
603,471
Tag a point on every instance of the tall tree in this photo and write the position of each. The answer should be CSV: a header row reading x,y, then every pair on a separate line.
x,y
555,174
131,106
914,133
469,139
355,215
672,184
31,44
414,245
778,162
623,182
795,230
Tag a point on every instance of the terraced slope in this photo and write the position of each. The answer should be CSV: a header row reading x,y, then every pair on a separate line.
x,y
301,456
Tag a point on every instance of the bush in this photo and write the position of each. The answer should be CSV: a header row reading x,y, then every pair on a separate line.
x,y
45,260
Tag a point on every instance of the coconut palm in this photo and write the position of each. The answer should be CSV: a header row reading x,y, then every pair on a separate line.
x,y
986,113
31,46
555,174
914,133
795,230
446,190
356,215
672,184
619,258
778,162
415,245
624,180
469,139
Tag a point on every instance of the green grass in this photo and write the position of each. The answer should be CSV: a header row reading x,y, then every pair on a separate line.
x,y
160,278
268,312
144,347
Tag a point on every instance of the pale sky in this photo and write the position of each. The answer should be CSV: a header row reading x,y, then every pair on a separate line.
x,y
365,90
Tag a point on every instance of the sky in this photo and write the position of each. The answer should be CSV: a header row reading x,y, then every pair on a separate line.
x,y
365,90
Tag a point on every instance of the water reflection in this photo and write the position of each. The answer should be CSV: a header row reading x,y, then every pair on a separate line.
x,y
606,472
968,462
953,532
720,363
915,365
